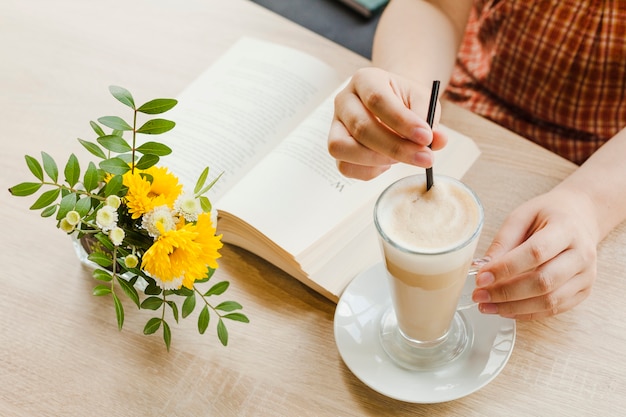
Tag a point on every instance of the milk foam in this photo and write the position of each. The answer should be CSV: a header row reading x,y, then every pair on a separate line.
x,y
428,222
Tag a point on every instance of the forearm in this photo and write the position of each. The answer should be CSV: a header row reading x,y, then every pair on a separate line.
x,y
419,39
601,180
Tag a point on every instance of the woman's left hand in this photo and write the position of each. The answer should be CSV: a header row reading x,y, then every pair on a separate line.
x,y
543,259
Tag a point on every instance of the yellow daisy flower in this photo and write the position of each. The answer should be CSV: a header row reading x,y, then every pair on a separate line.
x,y
156,187
181,256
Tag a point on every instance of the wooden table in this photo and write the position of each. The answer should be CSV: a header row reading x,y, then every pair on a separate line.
x,y
60,351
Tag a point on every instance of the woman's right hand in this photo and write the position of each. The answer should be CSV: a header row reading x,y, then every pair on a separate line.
x,y
379,120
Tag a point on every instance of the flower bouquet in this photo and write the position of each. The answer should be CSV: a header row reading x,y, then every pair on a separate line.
x,y
148,238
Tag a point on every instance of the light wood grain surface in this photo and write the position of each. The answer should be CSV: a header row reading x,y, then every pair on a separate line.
x,y
60,351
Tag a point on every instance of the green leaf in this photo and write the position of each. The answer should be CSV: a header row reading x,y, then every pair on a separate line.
x,y
102,275
152,289
183,291
126,157
152,303
115,166
50,166
154,148
67,203
83,205
222,332
146,161
152,325
205,203
157,106
203,320
48,211
189,304
45,199
237,317
156,126
201,180
217,289
101,259
90,181
115,122
72,170
228,306
174,308
122,95
100,290
105,241
129,290
119,311
96,128
208,187
34,166
167,335
114,143
209,274
25,188
114,185
93,148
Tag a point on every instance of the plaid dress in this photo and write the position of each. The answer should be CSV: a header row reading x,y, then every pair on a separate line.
x,y
553,71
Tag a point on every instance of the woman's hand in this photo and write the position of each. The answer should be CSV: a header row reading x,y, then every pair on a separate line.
x,y
543,259
380,120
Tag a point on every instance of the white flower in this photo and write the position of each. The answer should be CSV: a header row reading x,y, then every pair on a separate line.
x,y
174,284
131,261
72,217
113,201
66,226
117,235
106,218
188,206
162,216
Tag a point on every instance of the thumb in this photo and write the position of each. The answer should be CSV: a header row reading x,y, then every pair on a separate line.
x,y
512,233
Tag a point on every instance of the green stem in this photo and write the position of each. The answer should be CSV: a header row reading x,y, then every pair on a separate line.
x,y
114,269
74,190
207,303
132,159
163,307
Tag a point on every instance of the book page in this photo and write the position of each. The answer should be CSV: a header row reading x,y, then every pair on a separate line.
x,y
240,108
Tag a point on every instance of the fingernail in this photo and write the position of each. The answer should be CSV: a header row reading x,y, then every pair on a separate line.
x,y
484,279
481,296
488,308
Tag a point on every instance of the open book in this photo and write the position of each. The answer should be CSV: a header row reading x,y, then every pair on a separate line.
x,y
261,115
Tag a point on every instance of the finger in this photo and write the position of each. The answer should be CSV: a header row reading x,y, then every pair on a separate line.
x,y
343,147
565,298
360,172
544,244
392,106
367,130
543,280
512,232
356,161
440,139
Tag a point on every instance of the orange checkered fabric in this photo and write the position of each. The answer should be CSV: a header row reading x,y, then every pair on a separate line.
x,y
551,71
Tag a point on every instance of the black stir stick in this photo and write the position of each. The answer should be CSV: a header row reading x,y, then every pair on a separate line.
x,y
434,93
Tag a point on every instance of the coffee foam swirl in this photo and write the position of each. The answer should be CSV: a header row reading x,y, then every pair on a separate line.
x,y
424,221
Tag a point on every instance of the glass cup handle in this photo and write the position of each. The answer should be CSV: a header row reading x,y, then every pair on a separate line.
x,y
465,301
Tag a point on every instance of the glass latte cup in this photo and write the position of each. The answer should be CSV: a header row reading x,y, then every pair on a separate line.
x,y
428,240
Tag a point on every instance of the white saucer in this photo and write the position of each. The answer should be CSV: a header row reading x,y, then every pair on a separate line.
x,y
357,324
